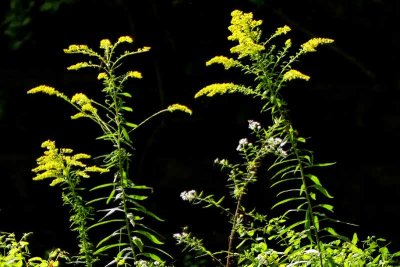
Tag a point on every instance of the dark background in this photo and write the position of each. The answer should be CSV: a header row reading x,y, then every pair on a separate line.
x,y
350,108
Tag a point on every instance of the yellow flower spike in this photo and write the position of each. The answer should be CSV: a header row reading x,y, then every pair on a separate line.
x,y
312,44
125,39
80,99
78,115
96,169
144,49
102,75
134,74
282,30
105,44
180,107
45,89
89,108
216,88
75,48
226,62
57,181
78,66
294,74
288,43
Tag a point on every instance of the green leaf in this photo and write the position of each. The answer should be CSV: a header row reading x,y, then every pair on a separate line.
x,y
354,240
152,256
326,206
102,249
102,186
321,189
314,179
129,124
127,109
287,200
137,197
316,222
324,164
126,94
149,236
105,222
138,243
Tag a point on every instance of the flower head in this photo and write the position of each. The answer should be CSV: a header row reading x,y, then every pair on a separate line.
x,y
125,39
254,125
180,107
134,74
189,195
216,88
226,62
242,143
312,44
105,44
294,74
45,89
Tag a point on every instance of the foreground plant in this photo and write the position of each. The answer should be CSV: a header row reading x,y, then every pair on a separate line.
x,y
302,232
127,238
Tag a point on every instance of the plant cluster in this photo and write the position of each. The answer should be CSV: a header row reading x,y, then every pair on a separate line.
x,y
113,227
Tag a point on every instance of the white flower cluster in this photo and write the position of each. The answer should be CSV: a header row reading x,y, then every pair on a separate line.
x,y
180,237
276,145
220,161
254,125
262,259
143,263
242,143
189,195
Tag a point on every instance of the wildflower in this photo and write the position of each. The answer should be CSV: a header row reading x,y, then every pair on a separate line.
x,y
102,75
180,107
134,74
226,62
79,65
288,43
243,29
80,99
125,39
144,49
75,49
254,125
216,88
242,143
312,44
221,162
188,195
105,44
180,237
45,89
89,108
282,30
294,74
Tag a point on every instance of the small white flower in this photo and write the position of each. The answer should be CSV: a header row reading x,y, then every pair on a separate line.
x,y
189,195
281,152
242,143
254,125
180,237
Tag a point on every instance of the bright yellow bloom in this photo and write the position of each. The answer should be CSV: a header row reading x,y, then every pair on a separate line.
x,y
288,43
89,108
45,89
126,39
180,107
243,29
80,99
216,88
312,44
78,115
134,74
144,49
79,65
105,44
75,48
282,30
226,62
96,169
102,75
294,74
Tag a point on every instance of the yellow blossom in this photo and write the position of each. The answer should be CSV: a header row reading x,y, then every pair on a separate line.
x,y
294,74
144,49
89,108
78,115
180,107
105,44
134,74
216,88
226,62
282,30
43,89
96,169
126,39
79,65
312,44
102,75
80,99
76,48
288,43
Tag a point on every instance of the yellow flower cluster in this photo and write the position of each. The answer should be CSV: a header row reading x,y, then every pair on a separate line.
x,y
282,30
85,103
105,44
294,74
45,89
76,49
57,164
79,65
243,30
312,44
134,74
102,75
180,107
226,62
216,88
125,39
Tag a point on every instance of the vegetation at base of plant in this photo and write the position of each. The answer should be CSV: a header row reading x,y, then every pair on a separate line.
x,y
304,234
15,253
127,237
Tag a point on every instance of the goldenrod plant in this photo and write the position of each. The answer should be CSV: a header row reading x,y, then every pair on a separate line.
x,y
128,240
305,233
